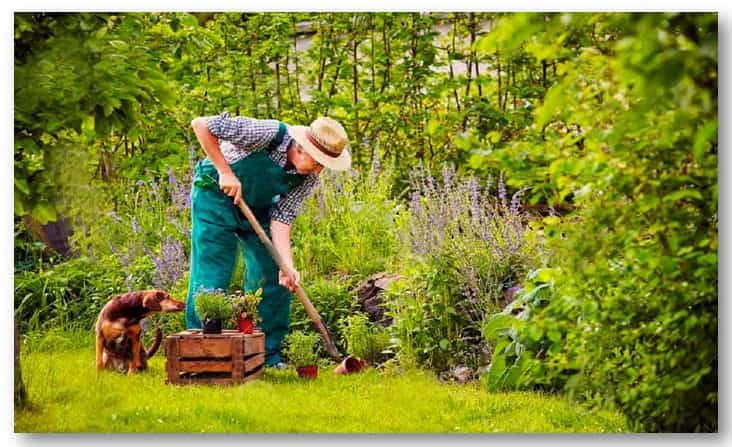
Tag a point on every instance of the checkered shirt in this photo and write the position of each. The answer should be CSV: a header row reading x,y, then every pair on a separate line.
x,y
240,136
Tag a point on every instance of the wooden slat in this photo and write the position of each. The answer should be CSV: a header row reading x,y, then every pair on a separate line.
x,y
255,375
204,366
252,363
254,343
196,346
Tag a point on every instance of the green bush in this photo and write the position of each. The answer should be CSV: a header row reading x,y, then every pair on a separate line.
x,y
363,339
468,247
350,225
630,131
332,298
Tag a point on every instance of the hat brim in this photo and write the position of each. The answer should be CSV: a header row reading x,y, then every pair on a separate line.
x,y
340,163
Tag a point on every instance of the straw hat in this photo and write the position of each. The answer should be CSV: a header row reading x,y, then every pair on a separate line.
x,y
326,141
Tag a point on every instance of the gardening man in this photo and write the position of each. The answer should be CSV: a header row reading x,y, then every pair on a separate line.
x,y
272,167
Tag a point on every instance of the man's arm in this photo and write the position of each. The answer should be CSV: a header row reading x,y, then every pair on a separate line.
x,y
281,241
228,182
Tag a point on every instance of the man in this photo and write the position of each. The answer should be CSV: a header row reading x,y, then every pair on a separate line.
x,y
272,167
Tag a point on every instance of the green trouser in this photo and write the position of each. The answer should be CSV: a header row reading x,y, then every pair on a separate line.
x,y
218,229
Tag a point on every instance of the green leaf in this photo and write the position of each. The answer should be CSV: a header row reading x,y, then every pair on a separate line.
x,y
21,185
44,212
682,194
444,344
703,137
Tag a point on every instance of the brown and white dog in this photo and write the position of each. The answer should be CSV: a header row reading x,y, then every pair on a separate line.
x,y
119,327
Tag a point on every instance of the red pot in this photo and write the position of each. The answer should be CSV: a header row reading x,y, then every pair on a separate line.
x,y
246,326
350,365
309,372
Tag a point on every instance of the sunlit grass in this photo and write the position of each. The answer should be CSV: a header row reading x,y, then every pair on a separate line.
x,y
66,395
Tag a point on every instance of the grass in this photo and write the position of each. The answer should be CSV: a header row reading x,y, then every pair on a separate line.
x,y
66,395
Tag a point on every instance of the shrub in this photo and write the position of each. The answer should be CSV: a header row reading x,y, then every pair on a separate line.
x,y
350,225
467,248
363,339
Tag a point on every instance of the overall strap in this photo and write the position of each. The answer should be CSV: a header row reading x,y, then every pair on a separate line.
x,y
277,140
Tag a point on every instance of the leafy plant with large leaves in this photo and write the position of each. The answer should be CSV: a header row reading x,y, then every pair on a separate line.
x,y
631,129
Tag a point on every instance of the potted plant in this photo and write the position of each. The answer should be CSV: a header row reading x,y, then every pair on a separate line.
x,y
245,306
213,307
301,353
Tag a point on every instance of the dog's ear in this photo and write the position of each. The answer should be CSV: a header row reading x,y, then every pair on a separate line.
x,y
152,300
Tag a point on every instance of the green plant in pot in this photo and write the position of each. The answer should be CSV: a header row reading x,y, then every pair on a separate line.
x,y
302,354
213,307
245,305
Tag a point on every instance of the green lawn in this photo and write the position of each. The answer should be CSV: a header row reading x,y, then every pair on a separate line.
x,y
66,395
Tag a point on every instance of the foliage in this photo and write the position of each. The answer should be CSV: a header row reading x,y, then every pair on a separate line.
x,y
467,249
613,115
363,339
68,295
349,225
77,76
301,348
632,124
213,305
519,347
246,302
332,297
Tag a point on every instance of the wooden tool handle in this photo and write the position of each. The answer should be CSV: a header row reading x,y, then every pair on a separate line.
x,y
299,292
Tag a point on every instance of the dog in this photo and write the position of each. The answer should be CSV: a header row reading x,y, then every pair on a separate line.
x,y
118,329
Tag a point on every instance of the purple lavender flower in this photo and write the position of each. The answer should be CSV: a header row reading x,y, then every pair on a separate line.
x,y
173,186
136,226
171,264
377,166
114,217
502,191
122,259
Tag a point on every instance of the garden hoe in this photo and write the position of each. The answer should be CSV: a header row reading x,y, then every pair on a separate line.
x,y
309,309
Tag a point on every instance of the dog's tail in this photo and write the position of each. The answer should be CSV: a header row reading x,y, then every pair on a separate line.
x,y
156,343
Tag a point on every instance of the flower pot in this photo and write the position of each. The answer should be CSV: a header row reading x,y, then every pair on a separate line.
x,y
245,325
350,365
308,372
211,326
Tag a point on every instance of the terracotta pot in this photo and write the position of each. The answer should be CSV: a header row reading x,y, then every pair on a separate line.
x,y
350,365
211,327
245,325
309,372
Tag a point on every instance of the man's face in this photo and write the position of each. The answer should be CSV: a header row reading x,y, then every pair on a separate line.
x,y
303,162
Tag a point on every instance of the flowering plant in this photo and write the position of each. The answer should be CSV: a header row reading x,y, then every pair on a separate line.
x,y
245,304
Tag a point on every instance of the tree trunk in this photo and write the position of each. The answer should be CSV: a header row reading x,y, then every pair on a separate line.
x,y
19,393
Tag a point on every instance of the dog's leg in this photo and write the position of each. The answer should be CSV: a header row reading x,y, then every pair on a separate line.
x,y
134,332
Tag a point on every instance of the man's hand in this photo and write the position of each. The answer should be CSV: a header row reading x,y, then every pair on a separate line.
x,y
290,283
230,184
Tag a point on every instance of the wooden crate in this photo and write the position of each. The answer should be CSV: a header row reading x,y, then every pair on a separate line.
x,y
220,359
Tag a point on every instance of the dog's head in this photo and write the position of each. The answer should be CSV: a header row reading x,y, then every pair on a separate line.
x,y
160,301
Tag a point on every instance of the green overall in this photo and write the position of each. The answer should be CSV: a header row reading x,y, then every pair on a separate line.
x,y
219,225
